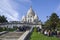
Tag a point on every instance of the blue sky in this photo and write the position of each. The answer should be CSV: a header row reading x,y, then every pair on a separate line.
x,y
15,9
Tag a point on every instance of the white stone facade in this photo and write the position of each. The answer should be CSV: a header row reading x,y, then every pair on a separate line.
x,y
31,17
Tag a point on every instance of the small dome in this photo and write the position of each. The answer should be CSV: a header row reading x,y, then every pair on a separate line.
x,y
30,12
35,17
23,17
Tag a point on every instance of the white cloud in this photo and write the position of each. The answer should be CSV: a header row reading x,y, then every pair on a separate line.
x,y
28,1
7,10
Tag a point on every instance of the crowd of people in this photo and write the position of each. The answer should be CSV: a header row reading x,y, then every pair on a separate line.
x,y
49,32
23,28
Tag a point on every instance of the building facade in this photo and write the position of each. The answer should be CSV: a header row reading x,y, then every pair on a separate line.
x,y
31,17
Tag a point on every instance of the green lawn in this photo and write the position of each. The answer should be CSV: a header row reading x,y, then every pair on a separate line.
x,y
39,36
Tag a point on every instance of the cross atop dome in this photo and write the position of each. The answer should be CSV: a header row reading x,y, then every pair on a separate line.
x,y
31,6
30,12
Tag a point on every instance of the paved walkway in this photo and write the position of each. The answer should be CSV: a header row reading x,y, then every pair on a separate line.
x,y
11,36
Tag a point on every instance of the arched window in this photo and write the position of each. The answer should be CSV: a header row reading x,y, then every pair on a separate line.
x,y
31,16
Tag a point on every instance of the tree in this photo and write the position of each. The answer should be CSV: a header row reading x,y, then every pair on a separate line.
x,y
52,21
58,24
3,19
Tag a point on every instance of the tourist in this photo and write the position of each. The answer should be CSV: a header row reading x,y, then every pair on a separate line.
x,y
52,33
49,32
42,31
58,33
55,31
38,29
45,32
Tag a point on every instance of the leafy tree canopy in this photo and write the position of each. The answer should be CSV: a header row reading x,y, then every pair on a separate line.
x,y
3,19
52,21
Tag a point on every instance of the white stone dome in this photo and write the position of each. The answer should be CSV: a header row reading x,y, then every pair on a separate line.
x,y
35,17
30,12
23,17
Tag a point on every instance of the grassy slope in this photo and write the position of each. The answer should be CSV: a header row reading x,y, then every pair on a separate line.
x,y
39,36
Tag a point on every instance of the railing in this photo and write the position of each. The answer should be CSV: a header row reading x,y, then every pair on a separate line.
x,y
1,33
26,35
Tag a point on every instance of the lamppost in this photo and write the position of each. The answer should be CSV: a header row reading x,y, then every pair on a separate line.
x,y
47,17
